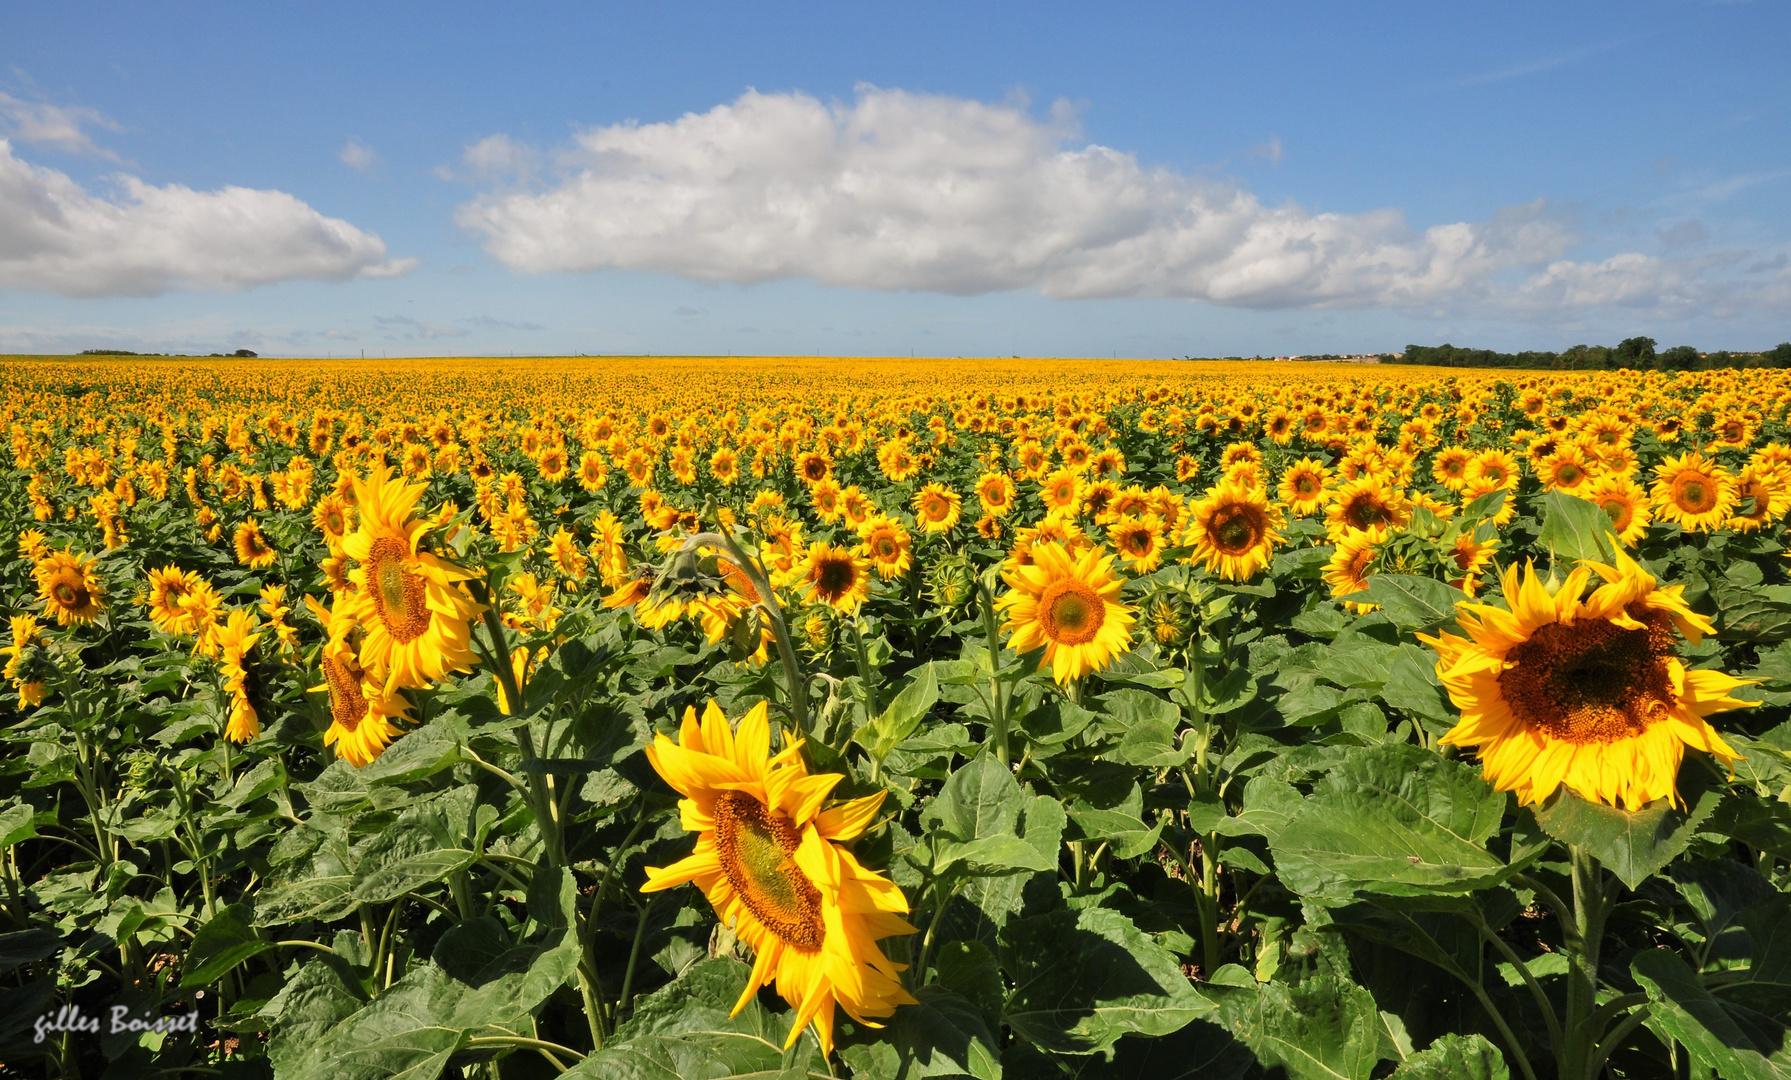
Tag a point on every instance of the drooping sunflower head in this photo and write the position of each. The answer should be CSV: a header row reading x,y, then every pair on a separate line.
x,y
1070,607
70,588
1349,565
771,859
362,710
169,587
1582,691
252,548
1234,531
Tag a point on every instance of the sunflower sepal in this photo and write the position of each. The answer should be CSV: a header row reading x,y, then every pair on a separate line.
x,y
1633,844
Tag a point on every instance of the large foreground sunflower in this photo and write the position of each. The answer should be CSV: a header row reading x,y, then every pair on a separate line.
x,y
1582,691
410,607
768,857
1070,606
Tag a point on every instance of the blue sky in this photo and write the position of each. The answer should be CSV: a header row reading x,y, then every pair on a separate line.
x,y
1040,179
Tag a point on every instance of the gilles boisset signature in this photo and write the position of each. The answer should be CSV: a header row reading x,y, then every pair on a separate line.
x,y
70,1018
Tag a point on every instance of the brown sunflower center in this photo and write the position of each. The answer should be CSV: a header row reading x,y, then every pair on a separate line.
x,y
1306,484
885,547
348,706
1366,512
1236,530
1694,495
1591,681
396,590
1568,475
69,595
1071,612
834,576
756,848
336,523
1618,510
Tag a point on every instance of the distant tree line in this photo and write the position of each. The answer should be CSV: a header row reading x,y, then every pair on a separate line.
x,y
127,352
1636,353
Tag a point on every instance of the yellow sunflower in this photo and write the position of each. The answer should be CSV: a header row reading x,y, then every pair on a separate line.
x,y
168,589
69,589
333,517
1626,504
771,860
885,542
1583,690
1139,540
1070,606
995,490
234,639
252,548
1450,468
414,617
831,575
1770,493
25,663
361,708
1234,531
1347,570
937,508
1697,493
1303,486
1471,555
1567,469
1366,503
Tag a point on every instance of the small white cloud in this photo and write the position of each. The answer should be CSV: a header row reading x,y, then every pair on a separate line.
x,y
1270,151
357,155
148,239
420,329
58,127
499,156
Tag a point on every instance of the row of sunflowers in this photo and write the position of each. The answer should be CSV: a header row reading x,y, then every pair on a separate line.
x,y
894,719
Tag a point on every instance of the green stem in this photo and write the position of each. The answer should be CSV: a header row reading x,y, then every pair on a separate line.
x,y
1209,904
1612,1041
1581,940
926,942
999,705
1523,969
874,709
634,955
525,1043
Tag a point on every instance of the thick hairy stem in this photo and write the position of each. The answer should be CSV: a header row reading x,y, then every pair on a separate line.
x,y
1580,1035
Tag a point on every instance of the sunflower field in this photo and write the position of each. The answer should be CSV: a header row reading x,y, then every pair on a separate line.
x,y
681,718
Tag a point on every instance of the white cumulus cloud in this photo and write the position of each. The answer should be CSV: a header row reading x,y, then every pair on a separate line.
x,y
906,191
57,237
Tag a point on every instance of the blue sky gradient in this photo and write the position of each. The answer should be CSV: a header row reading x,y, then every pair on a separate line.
x,y
1654,134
